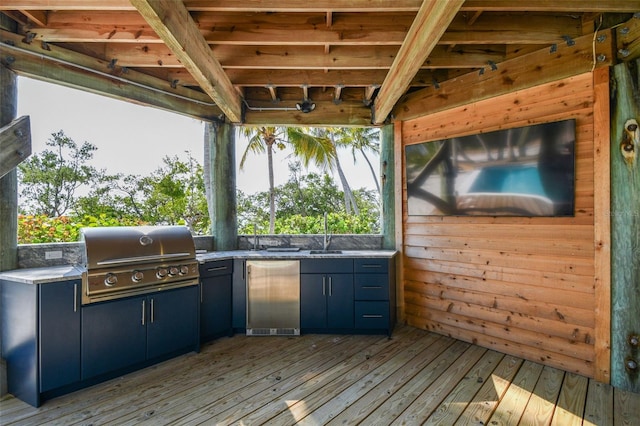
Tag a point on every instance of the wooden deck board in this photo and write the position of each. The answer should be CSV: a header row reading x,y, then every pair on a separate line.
x,y
416,377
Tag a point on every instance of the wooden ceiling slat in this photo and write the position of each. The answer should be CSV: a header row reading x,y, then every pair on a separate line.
x,y
300,57
333,5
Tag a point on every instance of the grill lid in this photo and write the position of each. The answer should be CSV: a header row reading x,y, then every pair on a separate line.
x,y
122,245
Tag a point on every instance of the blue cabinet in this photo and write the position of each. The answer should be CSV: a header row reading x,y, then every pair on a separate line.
x,y
215,299
59,334
326,295
41,337
374,281
123,333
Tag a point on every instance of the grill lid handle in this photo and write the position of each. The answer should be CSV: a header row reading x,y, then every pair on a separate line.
x,y
152,258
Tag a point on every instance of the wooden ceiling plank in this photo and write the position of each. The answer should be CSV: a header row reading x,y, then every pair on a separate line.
x,y
431,21
273,29
322,6
299,57
347,113
514,74
552,6
172,22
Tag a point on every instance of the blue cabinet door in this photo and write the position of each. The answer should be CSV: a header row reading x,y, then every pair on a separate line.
x,y
313,301
239,296
114,335
339,301
172,321
215,307
59,321
326,301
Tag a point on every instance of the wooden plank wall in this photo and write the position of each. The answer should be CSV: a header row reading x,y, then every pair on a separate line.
x,y
522,286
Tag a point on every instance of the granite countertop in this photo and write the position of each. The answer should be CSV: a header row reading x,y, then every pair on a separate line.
x,y
49,274
280,253
45,274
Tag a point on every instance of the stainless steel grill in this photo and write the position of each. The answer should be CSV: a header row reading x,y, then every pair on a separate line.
x,y
130,260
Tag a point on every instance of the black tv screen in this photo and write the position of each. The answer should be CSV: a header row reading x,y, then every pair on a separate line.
x,y
525,171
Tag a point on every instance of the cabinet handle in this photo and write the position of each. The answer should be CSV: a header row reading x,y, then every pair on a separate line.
x,y
143,312
371,316
371,286
217,268
152,313
330,286
324,285
372,265
201,285
75,298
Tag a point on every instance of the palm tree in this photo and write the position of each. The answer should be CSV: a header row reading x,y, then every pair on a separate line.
x,y
334,135
309,148
362,139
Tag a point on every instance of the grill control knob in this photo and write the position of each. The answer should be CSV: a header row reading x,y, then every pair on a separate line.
x,y
110,280
173,271
137,276
184,269
161,273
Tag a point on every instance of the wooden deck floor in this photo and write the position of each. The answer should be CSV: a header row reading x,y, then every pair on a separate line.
x,y
415,377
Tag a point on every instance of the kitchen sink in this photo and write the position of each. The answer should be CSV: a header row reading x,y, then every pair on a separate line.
x,y
325,251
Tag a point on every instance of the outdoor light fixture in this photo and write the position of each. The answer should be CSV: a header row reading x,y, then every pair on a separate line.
x,y
306,106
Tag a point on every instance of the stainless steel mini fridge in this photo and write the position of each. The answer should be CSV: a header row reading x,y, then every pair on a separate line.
x,y
273,297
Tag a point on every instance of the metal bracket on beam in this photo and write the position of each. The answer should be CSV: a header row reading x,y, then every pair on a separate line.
x,y
28,38
492,65
568,40
112,64
436,85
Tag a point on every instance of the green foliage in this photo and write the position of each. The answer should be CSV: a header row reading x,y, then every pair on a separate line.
x,y
175,194
301,203
50,179
33,229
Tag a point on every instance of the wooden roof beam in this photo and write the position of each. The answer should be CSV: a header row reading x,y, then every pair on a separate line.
x,y
173,23
536,68
432,20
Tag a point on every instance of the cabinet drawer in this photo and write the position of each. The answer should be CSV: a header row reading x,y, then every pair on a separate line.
x,y
326,266
371,265
372,314
218,267
371,286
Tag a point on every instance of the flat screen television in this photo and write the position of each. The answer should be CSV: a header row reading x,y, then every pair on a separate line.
x,y
524,171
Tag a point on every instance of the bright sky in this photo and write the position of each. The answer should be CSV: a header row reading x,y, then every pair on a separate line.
x,y
133,139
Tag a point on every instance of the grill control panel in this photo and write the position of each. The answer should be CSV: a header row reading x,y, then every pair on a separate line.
x,y
113,283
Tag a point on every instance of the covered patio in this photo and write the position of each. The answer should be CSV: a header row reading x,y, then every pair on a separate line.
x,y
502,319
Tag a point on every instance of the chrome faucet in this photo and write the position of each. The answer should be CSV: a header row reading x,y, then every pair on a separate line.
x,y
327,236
255,237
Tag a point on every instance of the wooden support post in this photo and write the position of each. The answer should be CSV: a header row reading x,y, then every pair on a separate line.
x,y
625,231
220,184
8,196
387,173
9,182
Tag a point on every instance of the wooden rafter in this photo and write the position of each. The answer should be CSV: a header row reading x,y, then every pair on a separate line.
x,y
172,22
431,21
